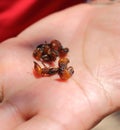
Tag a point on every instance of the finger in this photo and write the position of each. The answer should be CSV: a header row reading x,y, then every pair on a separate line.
x,y
9,117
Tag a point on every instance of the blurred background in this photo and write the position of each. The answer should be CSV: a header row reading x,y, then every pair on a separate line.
x,y
111,122
104,1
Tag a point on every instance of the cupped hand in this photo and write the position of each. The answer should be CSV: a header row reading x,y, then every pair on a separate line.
x,y
46,103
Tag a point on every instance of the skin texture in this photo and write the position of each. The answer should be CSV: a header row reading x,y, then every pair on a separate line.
x,y
29,103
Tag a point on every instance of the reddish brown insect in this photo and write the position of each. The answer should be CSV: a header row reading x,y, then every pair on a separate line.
x,y
46,52
50,56
55,45
44,71
62,63
49,52
63,52
37,54
64,72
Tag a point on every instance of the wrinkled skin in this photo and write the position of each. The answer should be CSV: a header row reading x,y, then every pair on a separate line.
x,y
92,34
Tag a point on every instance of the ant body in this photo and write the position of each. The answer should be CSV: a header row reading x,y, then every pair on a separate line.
x,y
64,71
44,71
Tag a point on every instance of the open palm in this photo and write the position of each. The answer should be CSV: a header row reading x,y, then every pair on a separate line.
x,y
30,103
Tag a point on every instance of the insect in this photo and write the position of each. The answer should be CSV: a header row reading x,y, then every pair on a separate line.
x,y
49,52
65,72
62,63
50,56
55,45
37,54
44,71
63,52
40,51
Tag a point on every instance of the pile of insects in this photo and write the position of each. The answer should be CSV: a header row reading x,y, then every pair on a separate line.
x,y
47,54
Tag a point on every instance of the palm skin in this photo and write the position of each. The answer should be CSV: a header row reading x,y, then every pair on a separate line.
x,y
31,103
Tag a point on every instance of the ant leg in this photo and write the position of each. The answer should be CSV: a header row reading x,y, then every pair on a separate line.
x,y
37,68
70,70
43,63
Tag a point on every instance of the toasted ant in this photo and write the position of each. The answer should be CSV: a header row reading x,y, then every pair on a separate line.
x,y
40,51
53,55
56,45
44,71
64,72
63,52
49,52
43,47
37,54
46,52
46,49
62,63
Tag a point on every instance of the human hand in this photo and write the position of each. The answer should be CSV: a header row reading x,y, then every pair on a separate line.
x,y
29,103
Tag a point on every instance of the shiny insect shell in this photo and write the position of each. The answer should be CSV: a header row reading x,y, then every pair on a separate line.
x,y
49,52
65,72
